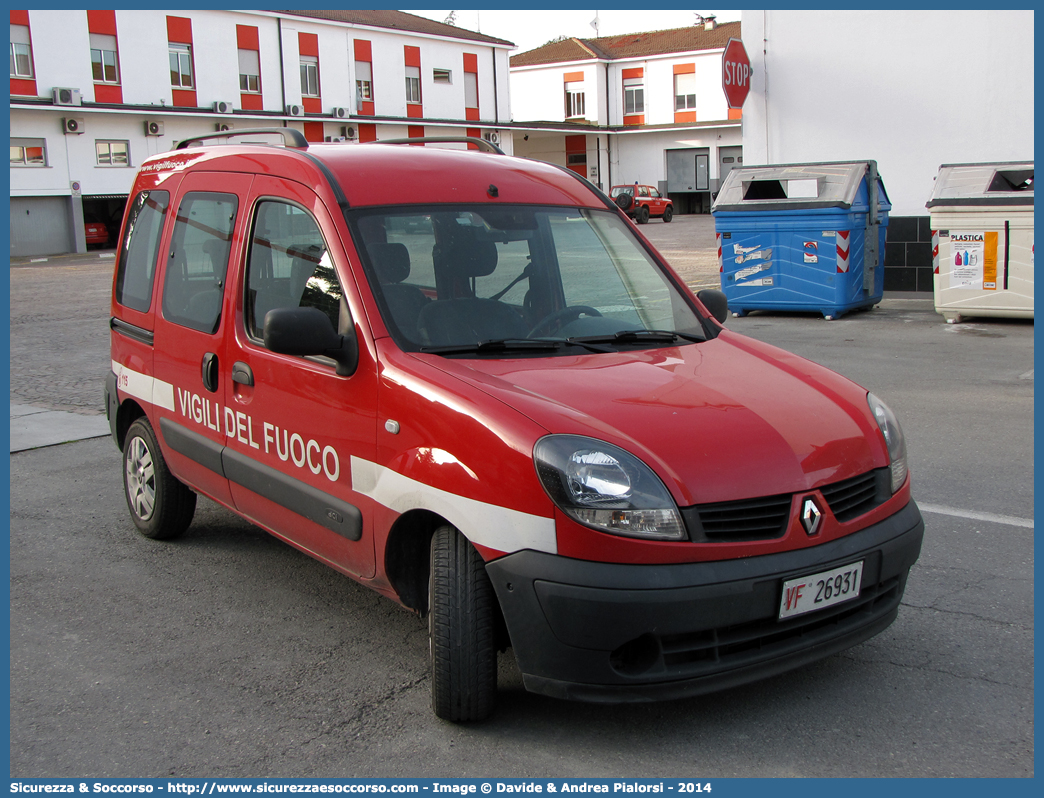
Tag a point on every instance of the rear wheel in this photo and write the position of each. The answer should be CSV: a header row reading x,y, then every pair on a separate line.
x,y
161,506
461,629
642,216
668,213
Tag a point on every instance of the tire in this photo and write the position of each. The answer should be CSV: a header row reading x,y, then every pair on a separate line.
x,y
642,215
461,630
668,214
160,505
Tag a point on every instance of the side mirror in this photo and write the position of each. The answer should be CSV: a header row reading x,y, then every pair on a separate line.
x,y
624,201
715,301
308,331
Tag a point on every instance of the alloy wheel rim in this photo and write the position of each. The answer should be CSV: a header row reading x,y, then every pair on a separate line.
x,y
141,479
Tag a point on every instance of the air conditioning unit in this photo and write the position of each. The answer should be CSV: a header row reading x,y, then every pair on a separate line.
x,y
335,139
222,126
348,132
493,137
153,127
339,113
65,96
71,125
222,107
294,110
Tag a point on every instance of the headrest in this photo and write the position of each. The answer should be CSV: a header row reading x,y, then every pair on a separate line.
x,y
469,257
391,261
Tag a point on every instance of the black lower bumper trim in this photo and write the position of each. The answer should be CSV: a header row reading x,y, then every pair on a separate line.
x,y
607,632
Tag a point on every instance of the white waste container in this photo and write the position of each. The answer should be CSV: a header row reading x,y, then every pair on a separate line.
x,y
982,240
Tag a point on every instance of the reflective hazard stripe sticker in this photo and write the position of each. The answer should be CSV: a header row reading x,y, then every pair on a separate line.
x,y
721,266
144,387
842,250
935,251
485,524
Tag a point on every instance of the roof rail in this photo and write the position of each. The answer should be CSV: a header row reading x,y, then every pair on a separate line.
x,y
482,144
291,137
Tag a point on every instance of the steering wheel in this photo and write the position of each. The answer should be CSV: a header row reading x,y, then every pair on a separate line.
x,y
562,317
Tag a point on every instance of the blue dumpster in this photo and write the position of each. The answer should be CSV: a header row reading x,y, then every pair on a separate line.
x,y
802,237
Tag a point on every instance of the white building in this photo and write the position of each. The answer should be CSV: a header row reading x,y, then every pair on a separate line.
x,y
642,107
909,89
93,93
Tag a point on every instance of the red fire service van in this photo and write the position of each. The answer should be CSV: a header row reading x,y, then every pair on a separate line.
x,y
467,381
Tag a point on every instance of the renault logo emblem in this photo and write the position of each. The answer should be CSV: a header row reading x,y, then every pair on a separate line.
x,y
811,516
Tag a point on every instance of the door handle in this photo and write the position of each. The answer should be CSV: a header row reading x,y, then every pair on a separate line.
x,y
242,374
209,372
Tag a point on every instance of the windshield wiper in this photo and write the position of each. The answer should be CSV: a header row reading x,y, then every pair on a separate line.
x,y
512,345
638,337
497,345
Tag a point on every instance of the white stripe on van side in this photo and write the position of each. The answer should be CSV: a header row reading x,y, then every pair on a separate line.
x,y
142,386
485,524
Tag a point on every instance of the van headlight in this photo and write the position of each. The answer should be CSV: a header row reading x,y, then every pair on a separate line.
x,y
606,488
894,440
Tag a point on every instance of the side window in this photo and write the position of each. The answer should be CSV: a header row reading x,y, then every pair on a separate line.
x,y
199,250
289,266
137,265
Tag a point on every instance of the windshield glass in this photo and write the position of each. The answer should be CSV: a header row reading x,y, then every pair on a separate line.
x,y
448,279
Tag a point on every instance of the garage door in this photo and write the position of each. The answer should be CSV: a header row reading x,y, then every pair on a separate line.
x,y
40,226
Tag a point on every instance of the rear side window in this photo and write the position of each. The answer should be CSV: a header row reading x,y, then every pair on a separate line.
x,y
137,266
289,266
199,249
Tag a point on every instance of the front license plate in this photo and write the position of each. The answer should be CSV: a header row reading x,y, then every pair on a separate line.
x,y
809,593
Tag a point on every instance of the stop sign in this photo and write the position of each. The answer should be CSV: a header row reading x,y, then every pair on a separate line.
x,y
735,73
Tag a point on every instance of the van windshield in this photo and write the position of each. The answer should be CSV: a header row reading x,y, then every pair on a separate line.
x,y
517,281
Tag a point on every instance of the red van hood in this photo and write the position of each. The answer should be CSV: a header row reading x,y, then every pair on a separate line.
x,y
726,419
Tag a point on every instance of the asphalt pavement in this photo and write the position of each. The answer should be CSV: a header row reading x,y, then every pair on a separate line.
x,y
227,653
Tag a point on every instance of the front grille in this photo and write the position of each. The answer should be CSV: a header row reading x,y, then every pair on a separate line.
x,y
749,519
767,517
851,498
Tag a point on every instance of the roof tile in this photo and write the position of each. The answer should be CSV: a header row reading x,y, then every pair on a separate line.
x,y
631,45
398,20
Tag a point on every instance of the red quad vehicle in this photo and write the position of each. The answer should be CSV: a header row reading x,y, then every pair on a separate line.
x,y
642,202
466,381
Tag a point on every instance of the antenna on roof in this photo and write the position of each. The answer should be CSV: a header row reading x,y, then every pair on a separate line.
x,y
451,18
595,23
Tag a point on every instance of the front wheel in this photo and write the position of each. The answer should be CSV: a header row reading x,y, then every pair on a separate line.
x,y
668,213
161,506
461,630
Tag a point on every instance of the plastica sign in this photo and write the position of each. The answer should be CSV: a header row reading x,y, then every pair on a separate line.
x,y
735,73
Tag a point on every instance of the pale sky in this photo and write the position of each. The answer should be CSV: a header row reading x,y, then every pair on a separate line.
x,y
531,28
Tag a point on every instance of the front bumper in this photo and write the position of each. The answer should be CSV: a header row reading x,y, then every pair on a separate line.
x,y
605,632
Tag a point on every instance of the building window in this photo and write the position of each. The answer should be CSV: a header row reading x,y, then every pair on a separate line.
x,y
413,86
250,71
21,52
363,81
103,58
574,99
441,75
113,153
309,76
685,92
180,65
634,96
28,152
470,90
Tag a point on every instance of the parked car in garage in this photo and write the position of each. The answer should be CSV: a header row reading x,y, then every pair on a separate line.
x,y
642,202
97,233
